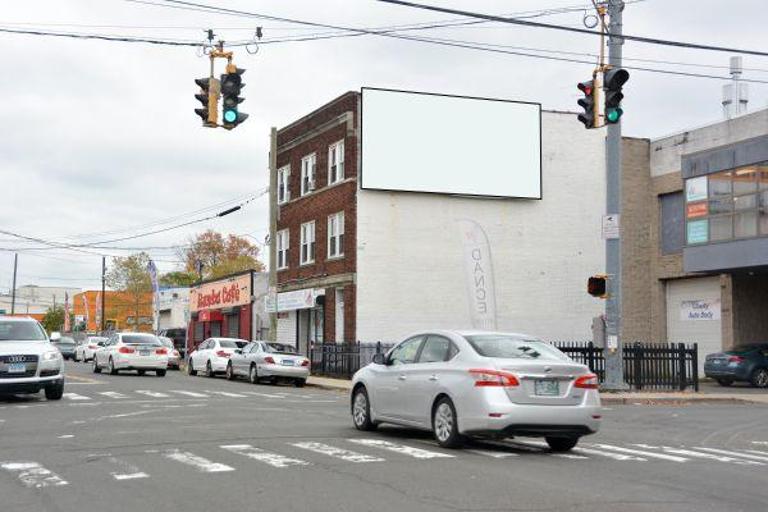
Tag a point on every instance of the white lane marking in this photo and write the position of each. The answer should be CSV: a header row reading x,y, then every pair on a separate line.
x,y
764,443
700,455
642,453
339,453
33,474
75,396
227,394
153,394
758,452
130,476
189,393
127,471
610,455
491,453
273,459
124,415
66,436
200,463
417,453
569,456
735,454
264,395
112,394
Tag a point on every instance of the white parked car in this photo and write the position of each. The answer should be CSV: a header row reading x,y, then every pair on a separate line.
x,y
476,383
174,358
132,351
273,361
28,360
86,348
212,355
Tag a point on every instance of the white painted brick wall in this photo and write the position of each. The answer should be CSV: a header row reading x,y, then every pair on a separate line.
x,y
410,267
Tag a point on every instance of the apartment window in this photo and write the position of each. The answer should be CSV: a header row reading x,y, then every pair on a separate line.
x,y
283,243
283,192
336,162
308,243
308,165
336,235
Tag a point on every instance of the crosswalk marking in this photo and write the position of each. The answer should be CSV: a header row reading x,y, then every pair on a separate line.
x,y
340,453
112,394
200,463
615,456
264,395
491,453
273,459
417,453
33,474
130,476
189,393
153,394
642,453
126,471
75,396
227,394
735,454
701,455
757,452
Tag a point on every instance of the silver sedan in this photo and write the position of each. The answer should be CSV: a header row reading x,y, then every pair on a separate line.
x,y
261,360
477,383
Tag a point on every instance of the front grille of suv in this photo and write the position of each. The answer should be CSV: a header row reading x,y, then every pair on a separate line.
x,y
29,360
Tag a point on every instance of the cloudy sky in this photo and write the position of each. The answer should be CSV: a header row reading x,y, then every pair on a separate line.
x,y
98,140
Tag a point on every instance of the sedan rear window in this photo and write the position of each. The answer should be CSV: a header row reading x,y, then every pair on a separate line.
x,y
141,339
232,344
21,331
510,347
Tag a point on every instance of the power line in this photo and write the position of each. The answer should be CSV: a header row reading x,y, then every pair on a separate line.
x,y
101,37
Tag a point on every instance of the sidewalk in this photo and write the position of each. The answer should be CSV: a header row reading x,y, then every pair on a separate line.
x,y
708,393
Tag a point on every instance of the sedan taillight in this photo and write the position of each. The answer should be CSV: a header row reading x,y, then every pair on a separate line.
x,y
735,359
586,382
269,360
161,351
493,378
221,353
126,350
92,346
305,362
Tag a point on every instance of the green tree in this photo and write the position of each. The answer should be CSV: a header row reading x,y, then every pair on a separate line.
x,y
54,319
130,275
178,278
220,256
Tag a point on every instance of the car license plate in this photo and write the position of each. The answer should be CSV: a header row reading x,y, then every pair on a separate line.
x,y
144,352
546,387
287,362
716,361
16,368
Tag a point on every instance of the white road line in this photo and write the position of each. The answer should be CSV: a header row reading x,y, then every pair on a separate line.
x,y
610,455
642,453
764,443
128,471
569,456
153,394
66,436
112,394
758,452
761,458
701,455
130,476
75,396
33,474
416,453
189,393
264,395
491,453
200,463
273,459
339,453
227,394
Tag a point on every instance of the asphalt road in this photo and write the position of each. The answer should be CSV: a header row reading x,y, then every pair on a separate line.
x,y
179,443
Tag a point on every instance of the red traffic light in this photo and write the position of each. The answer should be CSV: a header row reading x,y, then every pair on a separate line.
x,y
597,286
586,87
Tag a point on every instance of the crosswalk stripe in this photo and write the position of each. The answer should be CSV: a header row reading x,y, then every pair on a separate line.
x,y
153,394
75,396
340,453
130,476
273,459
735,454
417,453
642,453
189,393
33,474
610,455
227,394
701,455
569,456
126,471
264,395
491,453
112,394
200,463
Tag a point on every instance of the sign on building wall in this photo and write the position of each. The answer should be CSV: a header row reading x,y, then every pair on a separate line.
x,y
235,291
697,231
696,189
290,301
691,310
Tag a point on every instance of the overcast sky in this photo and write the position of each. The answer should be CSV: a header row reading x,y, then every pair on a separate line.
x,y
101,136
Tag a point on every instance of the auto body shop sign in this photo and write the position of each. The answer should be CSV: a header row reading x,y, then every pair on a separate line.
x,y
700,310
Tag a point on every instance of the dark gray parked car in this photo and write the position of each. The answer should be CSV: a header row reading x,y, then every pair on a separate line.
x,y
748,363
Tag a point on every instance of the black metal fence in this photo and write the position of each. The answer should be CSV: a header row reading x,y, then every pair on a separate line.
x,y
650,366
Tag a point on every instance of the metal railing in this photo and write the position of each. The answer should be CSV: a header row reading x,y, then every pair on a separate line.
x,y
343,359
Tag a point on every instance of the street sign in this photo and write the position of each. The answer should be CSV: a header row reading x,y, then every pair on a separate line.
x,y
611,226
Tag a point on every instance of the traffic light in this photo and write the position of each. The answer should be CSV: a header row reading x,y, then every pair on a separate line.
x,y
231,84
209,97
597,286
587,103
613,80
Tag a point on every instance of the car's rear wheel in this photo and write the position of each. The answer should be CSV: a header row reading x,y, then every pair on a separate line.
x,y
445,424
140,372
55,391
112,369
299,383
208,369
96,367
759,378
160,373
230,371
361,410
190,369
561,444
724,382
253,374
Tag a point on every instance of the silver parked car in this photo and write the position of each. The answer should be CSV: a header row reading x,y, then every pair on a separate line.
x,y
477,383
261,360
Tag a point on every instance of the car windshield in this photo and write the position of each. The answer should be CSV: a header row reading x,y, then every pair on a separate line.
x,y
21,331
96,339
65,340
510,347
232,344
279,348
141,339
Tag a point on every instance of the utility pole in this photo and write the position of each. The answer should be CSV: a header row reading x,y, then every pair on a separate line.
x,y
614,369
273,233
103,294
13,289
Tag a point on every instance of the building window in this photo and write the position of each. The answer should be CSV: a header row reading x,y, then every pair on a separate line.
x,y
727,205
308,165
336,162
199,331
283,244
672,223
283,191
336,235
233,325
308,243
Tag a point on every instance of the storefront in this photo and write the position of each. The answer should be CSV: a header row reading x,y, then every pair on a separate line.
x,y
221,308
300,317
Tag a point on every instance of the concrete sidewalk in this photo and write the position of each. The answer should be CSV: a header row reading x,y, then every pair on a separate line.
x,y
707,394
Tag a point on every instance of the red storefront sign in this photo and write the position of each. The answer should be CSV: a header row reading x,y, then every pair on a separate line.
x,y
697,210
234,291
208,315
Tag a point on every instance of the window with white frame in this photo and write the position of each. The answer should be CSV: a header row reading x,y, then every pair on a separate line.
x,y
336,235
308,173
283,244
336,162
283,192
307,243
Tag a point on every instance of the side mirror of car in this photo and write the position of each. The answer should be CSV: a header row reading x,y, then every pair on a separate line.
x,y
55,336
379,359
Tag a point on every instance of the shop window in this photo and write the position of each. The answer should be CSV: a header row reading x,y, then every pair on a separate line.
x,y
283,191
336,162
283,243
233,325
307,243
721,228
336,235
215,329
308,167
199,331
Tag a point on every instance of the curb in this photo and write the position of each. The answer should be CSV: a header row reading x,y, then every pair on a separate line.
x,y
670,400
329,386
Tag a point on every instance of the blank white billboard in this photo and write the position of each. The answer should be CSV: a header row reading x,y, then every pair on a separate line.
x,y
422,142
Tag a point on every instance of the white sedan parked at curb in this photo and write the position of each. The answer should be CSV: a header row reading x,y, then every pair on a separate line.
x,y
88,347
212,355
132,351
475,383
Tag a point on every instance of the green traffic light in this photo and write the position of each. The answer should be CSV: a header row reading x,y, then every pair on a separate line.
x,y
613,115
230,116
